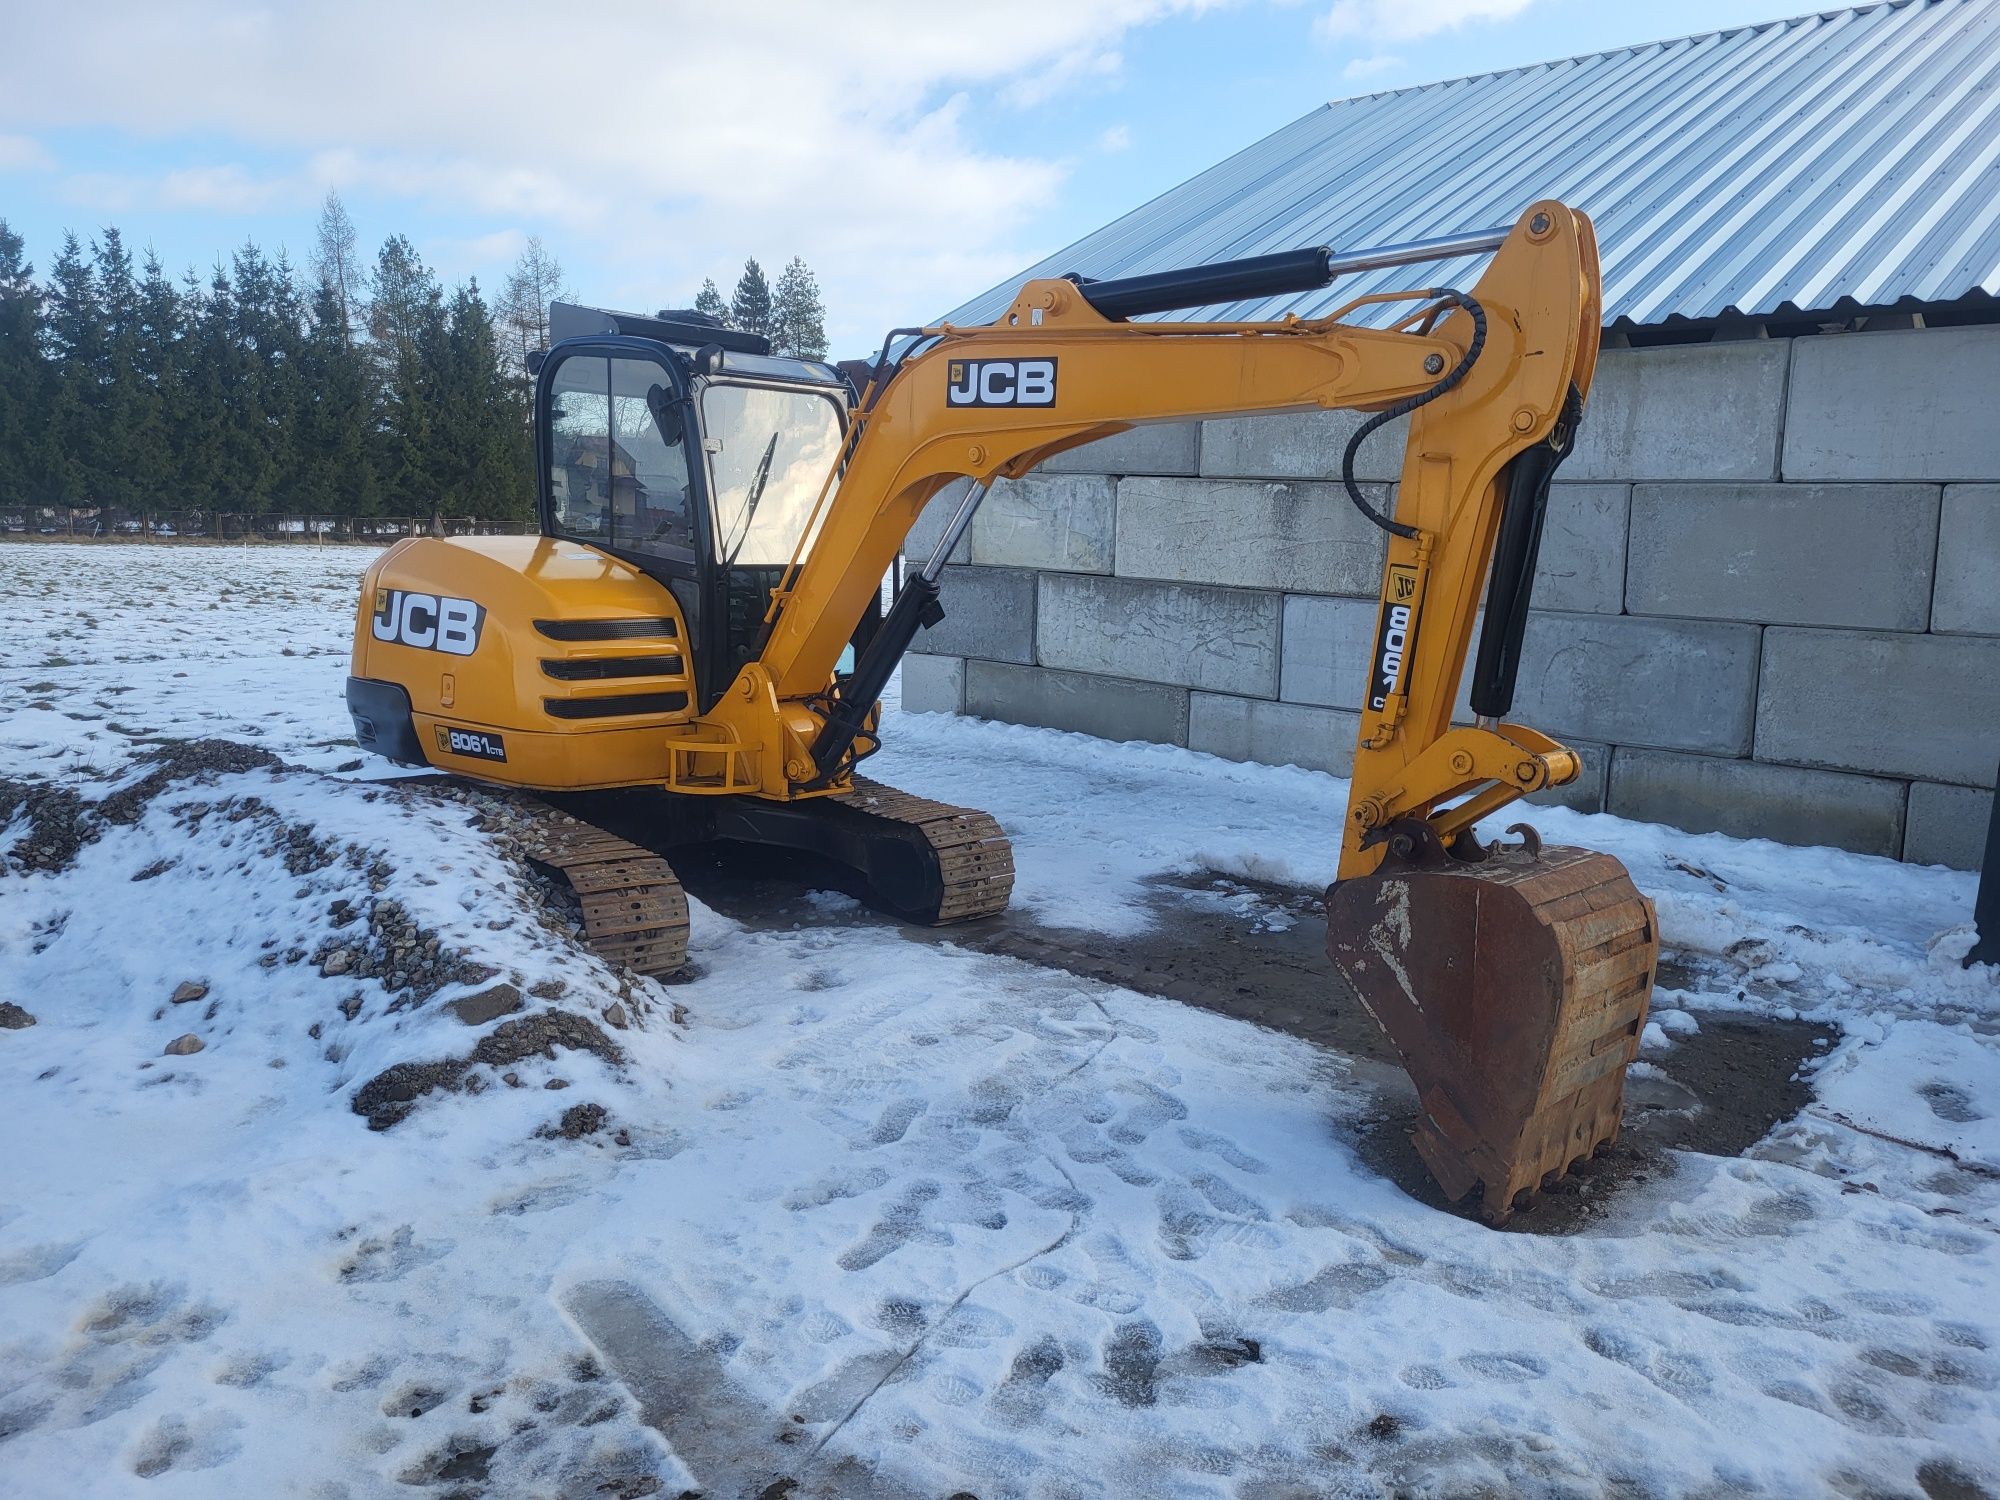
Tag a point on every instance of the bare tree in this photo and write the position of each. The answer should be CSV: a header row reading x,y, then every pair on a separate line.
x,y
535,282
335,260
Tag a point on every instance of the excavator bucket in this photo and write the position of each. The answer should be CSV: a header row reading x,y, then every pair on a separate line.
x,y
1514,989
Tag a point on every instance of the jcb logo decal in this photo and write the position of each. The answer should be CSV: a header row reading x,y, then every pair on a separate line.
x,y
1001,382
473,742
429,621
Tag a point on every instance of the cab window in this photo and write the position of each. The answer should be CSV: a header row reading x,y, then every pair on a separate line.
x,y
769,452
618,470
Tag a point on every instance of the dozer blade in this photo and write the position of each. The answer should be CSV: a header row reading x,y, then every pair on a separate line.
x,y
1514,990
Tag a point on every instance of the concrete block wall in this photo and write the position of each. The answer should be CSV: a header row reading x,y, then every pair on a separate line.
x,y
1768,601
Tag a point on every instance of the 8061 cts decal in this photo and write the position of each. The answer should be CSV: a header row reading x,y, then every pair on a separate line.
x,y
432,622
474,742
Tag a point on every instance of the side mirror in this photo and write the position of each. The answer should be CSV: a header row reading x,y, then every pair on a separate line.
x,y
666,415
536,359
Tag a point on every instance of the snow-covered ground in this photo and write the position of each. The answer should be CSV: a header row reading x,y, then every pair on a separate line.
x,y
882,1216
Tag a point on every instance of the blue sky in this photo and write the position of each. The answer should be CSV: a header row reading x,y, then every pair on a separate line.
x,y
912,153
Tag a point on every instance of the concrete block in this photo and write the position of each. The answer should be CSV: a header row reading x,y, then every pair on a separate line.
x,y
1058,521
1277,734
1947,825
988,612
1155,448
1664,684
1301,445
1249,534
1222,640
1856,555
1684,411
1103,706
1324,657
933,684
1925,707
1586,793
924,536
1968,561
1749,799
1905,405
1582,562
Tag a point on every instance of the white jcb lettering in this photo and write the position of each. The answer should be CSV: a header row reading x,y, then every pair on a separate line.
x,y
457,626
418,626
1001,382
431,622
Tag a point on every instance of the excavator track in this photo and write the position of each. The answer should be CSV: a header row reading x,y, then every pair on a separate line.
x,y
635,913
975,859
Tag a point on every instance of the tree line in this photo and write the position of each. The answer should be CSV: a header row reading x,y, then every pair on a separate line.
x,y
791,317
342,387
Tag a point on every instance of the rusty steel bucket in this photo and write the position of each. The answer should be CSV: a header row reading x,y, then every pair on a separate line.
x,y
1514,989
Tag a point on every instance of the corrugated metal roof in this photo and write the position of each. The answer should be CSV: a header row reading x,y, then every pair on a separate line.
x,y
1847,155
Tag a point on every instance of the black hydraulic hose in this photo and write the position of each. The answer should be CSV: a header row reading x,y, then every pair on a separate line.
x,y
1403,408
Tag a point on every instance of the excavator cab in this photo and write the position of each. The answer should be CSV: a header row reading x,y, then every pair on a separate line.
x,y
691,452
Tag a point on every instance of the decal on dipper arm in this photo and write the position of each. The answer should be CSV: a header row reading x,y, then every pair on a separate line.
x,y
1000,382
1398,628
476,743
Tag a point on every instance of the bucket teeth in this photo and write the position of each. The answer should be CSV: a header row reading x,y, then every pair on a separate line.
x,y
1514,990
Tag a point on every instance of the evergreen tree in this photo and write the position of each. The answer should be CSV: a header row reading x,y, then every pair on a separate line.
x,y
23,374
337,414
709,300
535,282
158,357
119,479
798,318
335,259
255,433
750,308
406,324
226,456
480,426
75,339
197,440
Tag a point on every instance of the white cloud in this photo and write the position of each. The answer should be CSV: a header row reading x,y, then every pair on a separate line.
x,y
20,153
673,140
1409,20
1115,138
1370,67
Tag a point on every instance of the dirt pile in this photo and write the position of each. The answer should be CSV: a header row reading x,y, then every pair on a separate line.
x,y
61,821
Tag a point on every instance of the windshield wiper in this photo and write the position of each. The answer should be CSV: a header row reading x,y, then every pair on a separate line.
x,y
756,494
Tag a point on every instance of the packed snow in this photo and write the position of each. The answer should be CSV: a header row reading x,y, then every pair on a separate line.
x,y
872,1215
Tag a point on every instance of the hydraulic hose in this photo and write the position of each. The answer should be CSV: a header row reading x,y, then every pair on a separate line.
x,y
1403,408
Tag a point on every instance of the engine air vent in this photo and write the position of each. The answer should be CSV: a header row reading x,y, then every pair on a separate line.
x,y
603,668
638,628
615,707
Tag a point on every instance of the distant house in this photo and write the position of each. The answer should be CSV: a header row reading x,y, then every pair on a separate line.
x,y
1770,595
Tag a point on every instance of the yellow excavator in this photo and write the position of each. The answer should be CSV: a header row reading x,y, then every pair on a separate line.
x,y
701,619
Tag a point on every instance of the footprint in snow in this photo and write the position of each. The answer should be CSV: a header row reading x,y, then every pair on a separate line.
x,y
1951,1103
